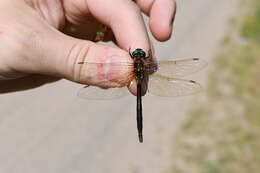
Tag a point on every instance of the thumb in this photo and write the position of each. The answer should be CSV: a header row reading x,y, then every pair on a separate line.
x,y
83,61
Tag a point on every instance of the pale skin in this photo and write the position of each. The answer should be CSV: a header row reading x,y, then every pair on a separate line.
x,y
41,41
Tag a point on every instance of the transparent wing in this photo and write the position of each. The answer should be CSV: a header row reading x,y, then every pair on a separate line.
x,y
96,93
177,68
107,63
171,87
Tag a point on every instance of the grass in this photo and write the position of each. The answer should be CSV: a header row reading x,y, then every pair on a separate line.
x,y
223,135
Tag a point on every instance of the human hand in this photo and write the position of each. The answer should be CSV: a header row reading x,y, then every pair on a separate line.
x,y
49,37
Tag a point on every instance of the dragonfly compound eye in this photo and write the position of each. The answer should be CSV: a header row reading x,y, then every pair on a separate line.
x,y
139,52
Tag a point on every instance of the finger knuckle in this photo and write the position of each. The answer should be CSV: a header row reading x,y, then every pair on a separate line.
x,y
77,55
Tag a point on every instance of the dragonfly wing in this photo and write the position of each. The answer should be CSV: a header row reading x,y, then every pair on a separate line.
x,y
96,93
178,68
171,87
107,63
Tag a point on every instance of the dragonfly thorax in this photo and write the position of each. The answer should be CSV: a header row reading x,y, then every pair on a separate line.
x,y
139,69
139,57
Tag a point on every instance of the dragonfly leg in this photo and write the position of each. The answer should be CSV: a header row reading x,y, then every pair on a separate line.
x,y
129,51
149,54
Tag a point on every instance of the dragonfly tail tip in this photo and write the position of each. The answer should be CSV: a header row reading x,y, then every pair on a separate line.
x,y
140,138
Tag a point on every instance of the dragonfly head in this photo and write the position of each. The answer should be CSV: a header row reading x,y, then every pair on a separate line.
x,y
139,53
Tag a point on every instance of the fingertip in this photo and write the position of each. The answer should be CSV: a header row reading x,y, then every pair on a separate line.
x,y
162,16
107,68
161,31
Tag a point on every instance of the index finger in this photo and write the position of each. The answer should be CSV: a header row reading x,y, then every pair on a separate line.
x,y
125,19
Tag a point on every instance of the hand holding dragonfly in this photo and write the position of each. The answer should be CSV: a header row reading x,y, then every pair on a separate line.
x,y
50,37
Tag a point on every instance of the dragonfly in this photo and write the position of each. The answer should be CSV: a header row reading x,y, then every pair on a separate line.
x,y
161,78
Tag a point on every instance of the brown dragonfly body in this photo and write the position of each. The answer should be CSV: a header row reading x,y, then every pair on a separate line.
x,y
139,57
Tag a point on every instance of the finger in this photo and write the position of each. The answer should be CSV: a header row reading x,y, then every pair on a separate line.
x,y
106,76
59,55
125,19
162,14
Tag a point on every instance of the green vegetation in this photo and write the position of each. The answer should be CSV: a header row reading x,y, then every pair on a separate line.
x,y
223,135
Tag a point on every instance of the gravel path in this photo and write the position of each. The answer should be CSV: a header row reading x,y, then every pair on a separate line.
x,y
50,130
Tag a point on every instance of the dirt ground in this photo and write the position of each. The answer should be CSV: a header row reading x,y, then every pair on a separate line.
x,y
50,129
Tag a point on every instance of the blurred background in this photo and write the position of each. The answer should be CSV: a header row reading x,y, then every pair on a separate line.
x,y
51,130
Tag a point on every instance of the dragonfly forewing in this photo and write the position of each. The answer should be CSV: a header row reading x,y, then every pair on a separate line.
x,y
163,78
171,87
176,68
